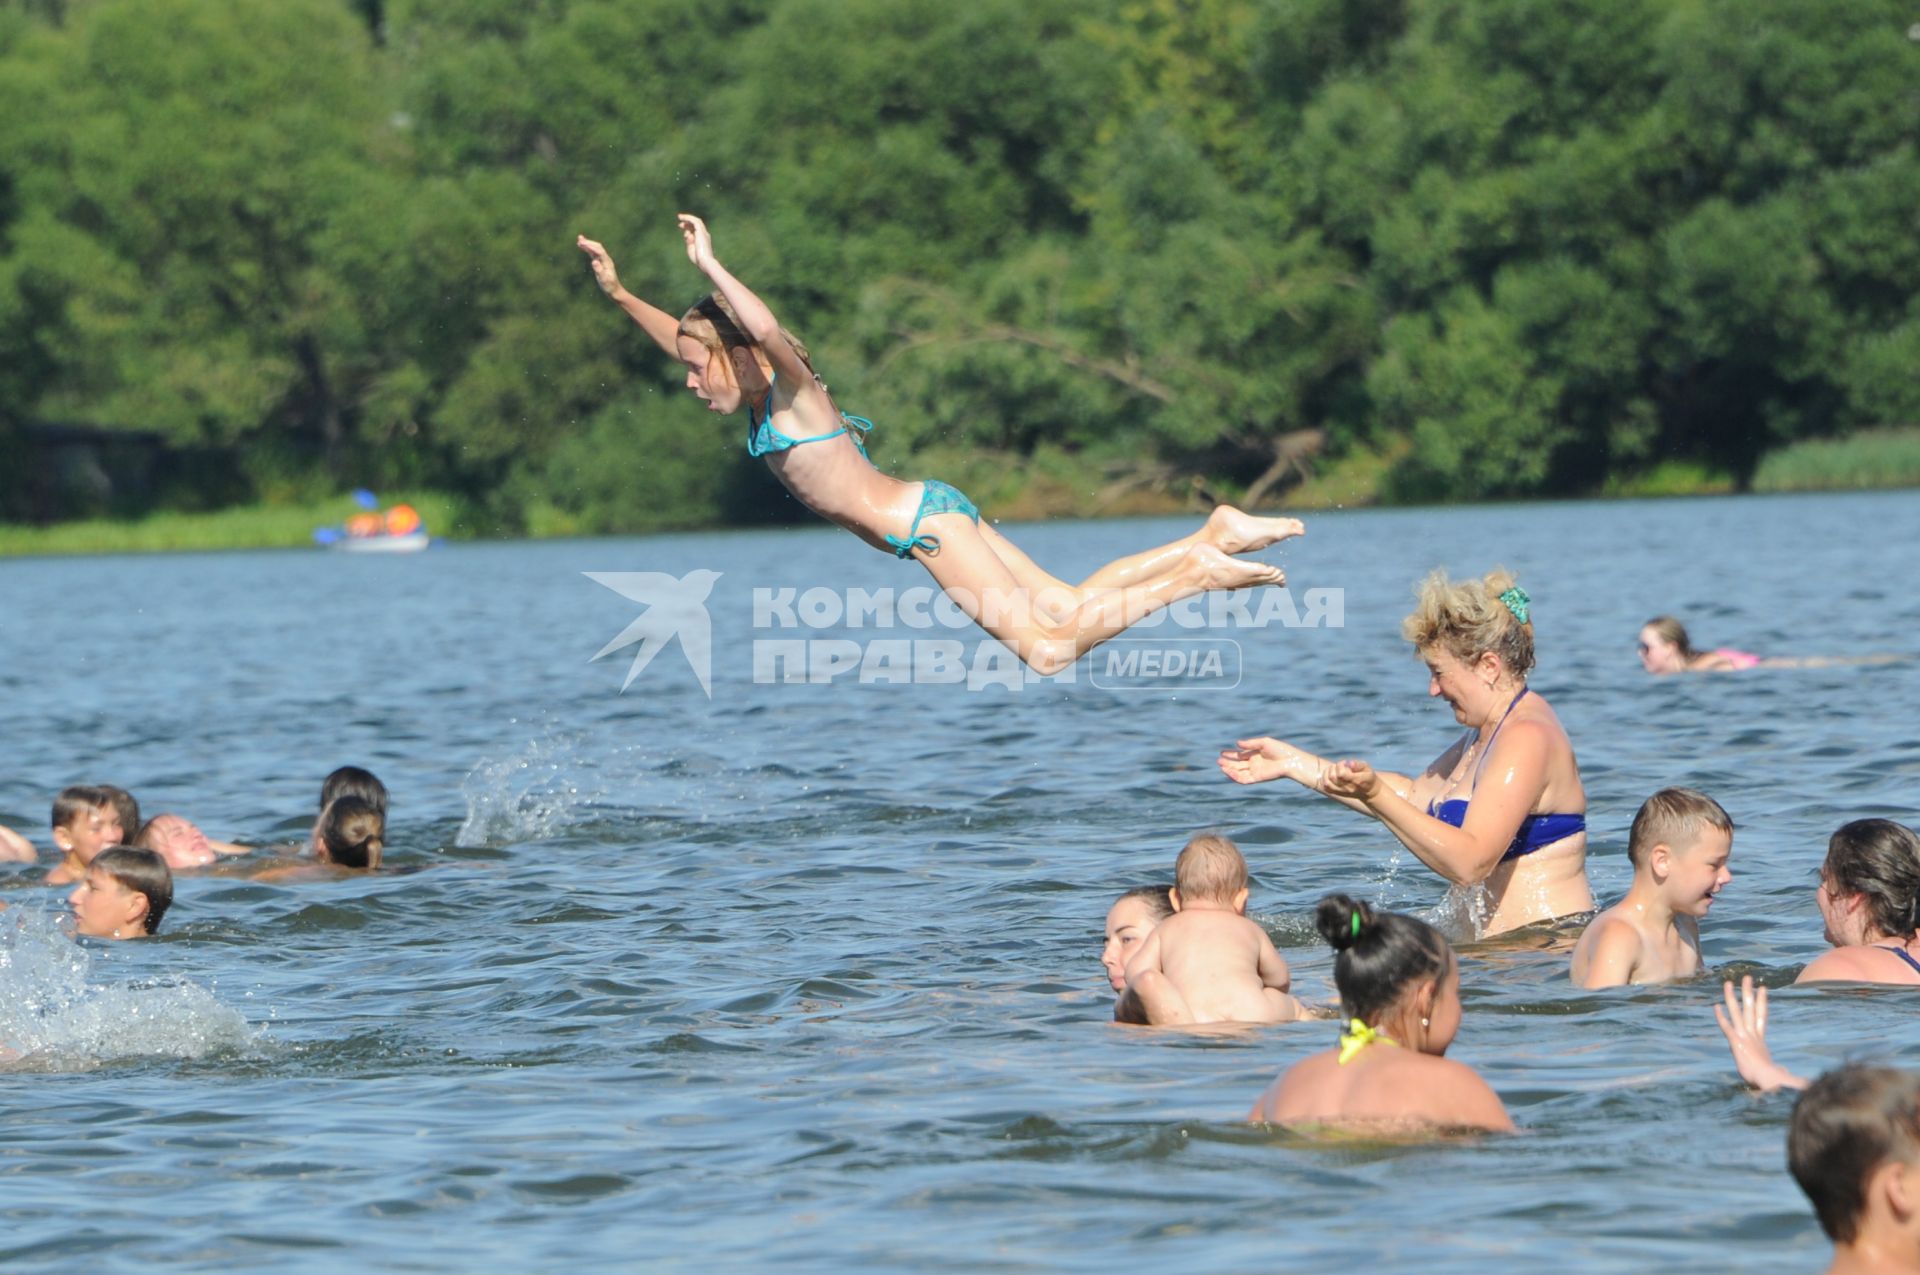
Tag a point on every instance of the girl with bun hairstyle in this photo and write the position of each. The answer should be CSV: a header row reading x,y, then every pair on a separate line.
x,y
1502,811
1400,996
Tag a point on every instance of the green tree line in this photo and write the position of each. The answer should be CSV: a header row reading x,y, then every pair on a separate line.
x,y
1521,249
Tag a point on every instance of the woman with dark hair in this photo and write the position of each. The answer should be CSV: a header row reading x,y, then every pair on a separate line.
x,y
1502,810
1132,917
1400,994
1868,895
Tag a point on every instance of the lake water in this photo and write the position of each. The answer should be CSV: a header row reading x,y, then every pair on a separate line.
x,y
806,975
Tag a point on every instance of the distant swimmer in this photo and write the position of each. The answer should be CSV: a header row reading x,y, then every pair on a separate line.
x,y
1665,648
1399,989
738,356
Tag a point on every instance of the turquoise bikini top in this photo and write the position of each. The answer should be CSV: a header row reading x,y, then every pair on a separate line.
x,y
763,438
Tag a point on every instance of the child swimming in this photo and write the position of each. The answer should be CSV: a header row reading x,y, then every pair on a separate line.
x,y
1400,994
1207,963
1679,844
85,822
737,355
124,894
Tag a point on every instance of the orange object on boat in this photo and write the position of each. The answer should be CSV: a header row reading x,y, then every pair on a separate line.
x,y
402,520
364,525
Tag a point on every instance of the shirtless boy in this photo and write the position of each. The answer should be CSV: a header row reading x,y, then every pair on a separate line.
x,y
1207,963
1680,843
85,822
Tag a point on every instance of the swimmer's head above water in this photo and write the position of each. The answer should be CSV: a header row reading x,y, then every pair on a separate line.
x,y
1854,1147
1664,646
124,895
350,833
1129,921
1395,973
85,822
352,781
1870,883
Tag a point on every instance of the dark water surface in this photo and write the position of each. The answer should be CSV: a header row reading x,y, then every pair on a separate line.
x,y
807,974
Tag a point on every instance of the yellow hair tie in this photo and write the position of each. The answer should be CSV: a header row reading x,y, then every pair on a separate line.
x,y
1357,1037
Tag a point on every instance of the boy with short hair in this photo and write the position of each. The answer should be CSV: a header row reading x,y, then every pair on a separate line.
x,y
1854,1148
1680,843
85,822
123,894
1207,963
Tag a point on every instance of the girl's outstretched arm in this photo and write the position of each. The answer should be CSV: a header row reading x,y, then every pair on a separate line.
x,y
658,324
755,318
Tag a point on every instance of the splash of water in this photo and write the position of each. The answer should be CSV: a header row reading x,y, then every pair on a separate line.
x,y
52,1018
535,793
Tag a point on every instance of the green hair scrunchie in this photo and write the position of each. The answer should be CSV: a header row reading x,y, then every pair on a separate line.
x,y
1356,925
1517,600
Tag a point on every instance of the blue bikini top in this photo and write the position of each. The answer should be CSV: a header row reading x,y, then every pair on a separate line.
x,y
763,438
1535,832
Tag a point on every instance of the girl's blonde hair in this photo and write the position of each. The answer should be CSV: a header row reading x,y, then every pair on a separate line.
x,y
1668,629
712,322
1467,618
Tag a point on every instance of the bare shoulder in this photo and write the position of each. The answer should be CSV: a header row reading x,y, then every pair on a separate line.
x,y
1608,950
1290,1096
1852,964
1469,1098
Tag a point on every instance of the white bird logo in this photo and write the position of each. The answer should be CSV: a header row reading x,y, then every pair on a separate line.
x,y
676,606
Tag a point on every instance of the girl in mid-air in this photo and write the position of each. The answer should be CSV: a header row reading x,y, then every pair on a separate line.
x,y
737,355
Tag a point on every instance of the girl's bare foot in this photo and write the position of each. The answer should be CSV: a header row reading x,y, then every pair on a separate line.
x,y
1235,531
1218,571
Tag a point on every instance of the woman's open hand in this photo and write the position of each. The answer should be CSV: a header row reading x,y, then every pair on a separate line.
x,y
603,271
1255,761
699,242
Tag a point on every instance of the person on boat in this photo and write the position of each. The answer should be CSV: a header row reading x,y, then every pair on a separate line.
x,y
738,356
1399,987
1501,811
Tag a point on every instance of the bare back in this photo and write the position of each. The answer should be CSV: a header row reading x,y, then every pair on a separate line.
x,y
1214,960
1383,1086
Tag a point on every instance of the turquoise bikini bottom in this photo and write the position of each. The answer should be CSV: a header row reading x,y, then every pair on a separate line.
x,y
936,497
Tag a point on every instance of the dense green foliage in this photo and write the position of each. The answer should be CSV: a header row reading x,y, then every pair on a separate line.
x,y
1520,248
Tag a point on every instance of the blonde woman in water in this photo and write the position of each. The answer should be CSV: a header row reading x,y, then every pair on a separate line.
x,y
1503,809
739,357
